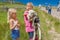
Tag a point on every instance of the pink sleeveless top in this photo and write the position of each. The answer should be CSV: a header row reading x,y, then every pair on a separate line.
x,y
28,24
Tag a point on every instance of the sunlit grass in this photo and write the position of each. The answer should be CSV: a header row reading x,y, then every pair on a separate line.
x,y
5,31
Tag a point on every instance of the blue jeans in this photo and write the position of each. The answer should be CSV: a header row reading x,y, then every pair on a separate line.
x,y
15,34
31,34
13,39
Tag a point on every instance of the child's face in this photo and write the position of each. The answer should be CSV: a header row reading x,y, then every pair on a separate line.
x,y
14,15
29,6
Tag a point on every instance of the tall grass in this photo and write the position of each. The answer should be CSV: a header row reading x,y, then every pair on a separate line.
x,y
5,31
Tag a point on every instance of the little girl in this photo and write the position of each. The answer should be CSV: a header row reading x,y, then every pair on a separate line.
x,y
14,25
28,23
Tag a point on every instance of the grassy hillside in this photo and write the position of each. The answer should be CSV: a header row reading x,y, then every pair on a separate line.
x,y
46,20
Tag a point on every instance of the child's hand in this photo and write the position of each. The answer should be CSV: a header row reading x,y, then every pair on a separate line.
x,y
30,19
18,25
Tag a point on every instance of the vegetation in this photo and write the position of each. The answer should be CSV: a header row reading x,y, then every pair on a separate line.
x,y
44,18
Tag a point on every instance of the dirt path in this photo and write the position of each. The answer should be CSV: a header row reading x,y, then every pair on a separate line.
x,y
54,12
53,34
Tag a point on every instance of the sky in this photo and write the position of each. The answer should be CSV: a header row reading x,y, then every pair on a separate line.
x,y
42,2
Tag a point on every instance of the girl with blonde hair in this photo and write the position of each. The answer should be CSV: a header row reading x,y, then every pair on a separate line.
x,y
30,23
14,24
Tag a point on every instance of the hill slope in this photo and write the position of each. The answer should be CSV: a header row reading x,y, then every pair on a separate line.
x,y
47,23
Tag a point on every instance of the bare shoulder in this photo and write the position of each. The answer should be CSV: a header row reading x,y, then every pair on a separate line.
x,y
11,20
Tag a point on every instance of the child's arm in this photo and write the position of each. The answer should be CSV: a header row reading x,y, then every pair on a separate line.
x,y
18,24
11,25
25,15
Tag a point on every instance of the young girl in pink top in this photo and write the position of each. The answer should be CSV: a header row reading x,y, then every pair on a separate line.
x,y
28,24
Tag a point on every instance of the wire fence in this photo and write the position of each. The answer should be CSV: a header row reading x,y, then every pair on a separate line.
x,y
5,8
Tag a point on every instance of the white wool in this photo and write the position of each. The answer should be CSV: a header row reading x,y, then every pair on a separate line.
x,y
31,13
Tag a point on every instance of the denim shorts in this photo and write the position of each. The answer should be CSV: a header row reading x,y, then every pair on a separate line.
x,y
15,34
31,34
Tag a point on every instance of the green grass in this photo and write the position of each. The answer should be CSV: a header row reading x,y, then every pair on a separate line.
x,y
5,31
11,5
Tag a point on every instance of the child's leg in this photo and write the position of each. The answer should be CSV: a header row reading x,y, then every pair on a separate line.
x,y
13,38
17,38
18,35
31,35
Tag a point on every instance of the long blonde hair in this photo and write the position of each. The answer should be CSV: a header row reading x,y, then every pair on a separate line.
x,y
10,11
